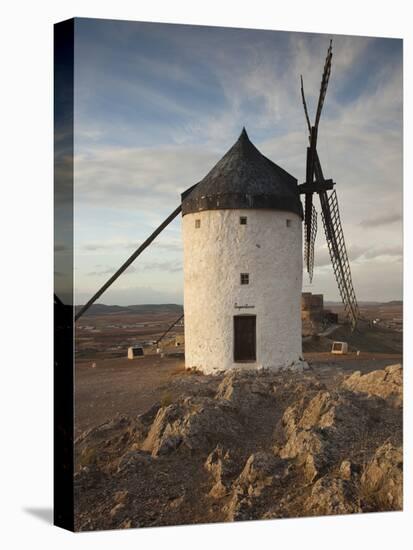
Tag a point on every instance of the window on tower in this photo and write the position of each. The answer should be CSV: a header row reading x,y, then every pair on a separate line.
x,y
288,223
243,220
197,224
245,278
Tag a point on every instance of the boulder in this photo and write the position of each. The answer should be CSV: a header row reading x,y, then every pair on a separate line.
x,y
382,479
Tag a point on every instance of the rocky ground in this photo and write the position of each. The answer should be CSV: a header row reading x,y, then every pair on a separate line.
x,y
246,446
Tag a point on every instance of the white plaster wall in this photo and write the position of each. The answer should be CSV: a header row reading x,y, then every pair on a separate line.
x,y
214,256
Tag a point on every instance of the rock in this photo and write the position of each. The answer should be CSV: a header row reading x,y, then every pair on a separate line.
x,y
104,445
346,469
120,500
261,470
132,462
320,412
308,439
332,496
243,389
319,431
310,413
149,416
382,479
196,423
309,450
222,468
386,383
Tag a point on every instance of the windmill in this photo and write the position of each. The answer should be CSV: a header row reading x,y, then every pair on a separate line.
x,y
316,183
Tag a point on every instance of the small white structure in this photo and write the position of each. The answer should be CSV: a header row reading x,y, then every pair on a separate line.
x,y
135,351
242,237
339,348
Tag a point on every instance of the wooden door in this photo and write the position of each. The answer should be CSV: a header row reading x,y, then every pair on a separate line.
x,y
244,338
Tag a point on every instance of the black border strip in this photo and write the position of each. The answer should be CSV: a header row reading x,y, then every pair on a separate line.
x,y
63,276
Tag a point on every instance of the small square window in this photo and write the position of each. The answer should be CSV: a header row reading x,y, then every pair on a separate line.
x,y
288,223
243,220
197,224
245,278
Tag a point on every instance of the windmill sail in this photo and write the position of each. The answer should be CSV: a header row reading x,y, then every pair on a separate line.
x,y
339,258
309,244
324,83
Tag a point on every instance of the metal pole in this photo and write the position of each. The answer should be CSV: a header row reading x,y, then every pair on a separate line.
x,y
128,262
166,331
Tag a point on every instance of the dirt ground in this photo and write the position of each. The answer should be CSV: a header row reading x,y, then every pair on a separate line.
x,y
120,386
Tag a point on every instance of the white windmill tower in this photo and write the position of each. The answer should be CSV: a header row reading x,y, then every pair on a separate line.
x,y
242,238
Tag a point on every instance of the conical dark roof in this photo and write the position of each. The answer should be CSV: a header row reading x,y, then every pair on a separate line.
x,y
244,178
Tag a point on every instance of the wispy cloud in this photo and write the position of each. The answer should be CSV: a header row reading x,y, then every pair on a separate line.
x,y
378,221
166,266
171,267
146,178
110,271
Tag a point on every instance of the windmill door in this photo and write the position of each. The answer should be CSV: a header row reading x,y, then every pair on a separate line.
x,y
244,338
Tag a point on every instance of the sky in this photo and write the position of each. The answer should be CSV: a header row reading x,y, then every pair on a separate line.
x,y
157,105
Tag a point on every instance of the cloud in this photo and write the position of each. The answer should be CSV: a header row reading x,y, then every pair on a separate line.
x,y
147,179
358,254
385,219
171,267
389,251
170,245
322,255
111,271
167,266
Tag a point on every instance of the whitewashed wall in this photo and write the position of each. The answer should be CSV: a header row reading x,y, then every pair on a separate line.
x,y
214,256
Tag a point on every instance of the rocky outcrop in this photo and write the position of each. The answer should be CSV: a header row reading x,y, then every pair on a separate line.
x,y
262,471
330,495
104,445
386,383
317,431
243,389
382,479
247,446
222,468
196,423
